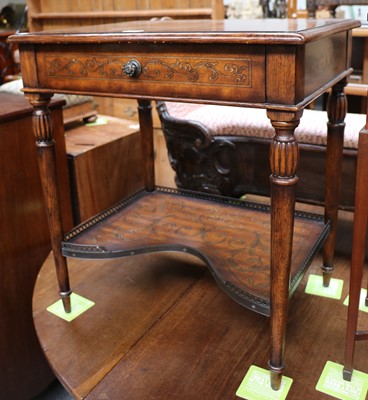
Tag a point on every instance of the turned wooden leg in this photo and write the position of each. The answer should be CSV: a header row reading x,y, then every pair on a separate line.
x,y
336,110
284,156
43,129
358,252
147,146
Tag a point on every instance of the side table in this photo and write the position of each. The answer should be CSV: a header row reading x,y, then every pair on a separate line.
x,y
258,255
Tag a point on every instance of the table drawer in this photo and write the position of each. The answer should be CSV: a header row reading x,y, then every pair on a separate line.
x,y
167,70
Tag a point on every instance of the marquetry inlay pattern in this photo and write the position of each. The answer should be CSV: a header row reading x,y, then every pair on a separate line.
x,y
161,69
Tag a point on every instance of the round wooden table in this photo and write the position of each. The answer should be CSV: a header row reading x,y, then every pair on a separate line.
x,y
161,328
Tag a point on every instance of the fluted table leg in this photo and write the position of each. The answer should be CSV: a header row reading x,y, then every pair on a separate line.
x,y
284,157
43,128
336,110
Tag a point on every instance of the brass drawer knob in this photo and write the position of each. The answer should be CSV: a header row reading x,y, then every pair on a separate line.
x,y
132,68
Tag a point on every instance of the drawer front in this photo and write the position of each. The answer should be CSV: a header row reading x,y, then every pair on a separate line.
x,y
198,72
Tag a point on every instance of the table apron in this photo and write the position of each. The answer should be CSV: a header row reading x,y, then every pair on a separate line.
x,y
271,76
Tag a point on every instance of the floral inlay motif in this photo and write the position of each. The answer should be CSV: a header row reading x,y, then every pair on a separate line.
x,y
202,71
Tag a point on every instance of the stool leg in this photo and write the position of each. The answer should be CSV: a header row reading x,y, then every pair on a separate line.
x,y
336,110
284,160
43,130
358,251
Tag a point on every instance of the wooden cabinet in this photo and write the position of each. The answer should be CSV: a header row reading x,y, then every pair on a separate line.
x,y
24,245
45,15
98,157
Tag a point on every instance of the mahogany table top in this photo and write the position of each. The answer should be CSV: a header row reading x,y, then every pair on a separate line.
x,y
266,31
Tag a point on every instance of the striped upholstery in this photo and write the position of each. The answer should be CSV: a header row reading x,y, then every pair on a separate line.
x,y
252,122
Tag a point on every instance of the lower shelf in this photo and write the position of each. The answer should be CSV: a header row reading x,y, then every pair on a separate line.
x,y
231,236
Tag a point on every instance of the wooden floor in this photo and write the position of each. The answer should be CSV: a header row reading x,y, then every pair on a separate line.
x,y
162,329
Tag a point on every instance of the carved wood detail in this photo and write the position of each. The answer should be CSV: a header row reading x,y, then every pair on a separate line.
x,y
195,155
42,121
284,153
337,104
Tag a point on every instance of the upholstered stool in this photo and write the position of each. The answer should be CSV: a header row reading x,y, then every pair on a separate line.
x,y
224,150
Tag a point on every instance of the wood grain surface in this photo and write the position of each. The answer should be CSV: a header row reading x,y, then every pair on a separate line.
x,y
161,328
232,237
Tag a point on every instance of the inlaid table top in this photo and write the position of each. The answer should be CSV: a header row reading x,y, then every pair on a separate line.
x,y
273,63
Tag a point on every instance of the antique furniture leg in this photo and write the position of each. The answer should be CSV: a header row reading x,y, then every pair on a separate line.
x,y
43,129
148,156
336,110
358,254
284,161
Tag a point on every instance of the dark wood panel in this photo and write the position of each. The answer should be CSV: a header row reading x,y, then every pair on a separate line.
x,y
24,246
318,66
